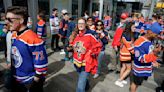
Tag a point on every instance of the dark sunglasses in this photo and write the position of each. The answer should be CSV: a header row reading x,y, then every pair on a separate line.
x,y
11,19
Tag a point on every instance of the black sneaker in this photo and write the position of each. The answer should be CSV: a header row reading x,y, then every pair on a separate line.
x,y
65,59
158,89
52,49
110,71
117,72
58,48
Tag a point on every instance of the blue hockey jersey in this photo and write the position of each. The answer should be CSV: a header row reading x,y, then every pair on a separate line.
x,y
29,56
41,29
144,57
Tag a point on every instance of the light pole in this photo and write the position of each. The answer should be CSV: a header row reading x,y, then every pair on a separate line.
x,y
114,13
33,10
100,9
152,8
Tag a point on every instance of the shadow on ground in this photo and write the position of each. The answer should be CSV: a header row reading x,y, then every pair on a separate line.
x,y
2,74
50,53
105,64
55,67
62,83
67,82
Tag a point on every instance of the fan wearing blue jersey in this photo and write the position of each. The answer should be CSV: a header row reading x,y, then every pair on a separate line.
x,y
144,60
41,26
29,58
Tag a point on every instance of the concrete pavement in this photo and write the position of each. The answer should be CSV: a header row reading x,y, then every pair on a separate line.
x,y
63,77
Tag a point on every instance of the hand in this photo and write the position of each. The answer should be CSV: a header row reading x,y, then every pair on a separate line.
x,y
7,66
155,64
64,29
115,48
161,37
5,30
157,49
69,48
60,35
53,24
102,35
36,79
55,30
93,55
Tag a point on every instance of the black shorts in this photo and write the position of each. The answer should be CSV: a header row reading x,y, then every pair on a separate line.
x,y
138,80
126,62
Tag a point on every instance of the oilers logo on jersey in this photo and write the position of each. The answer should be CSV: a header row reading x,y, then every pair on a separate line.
x,y
16,56
137,53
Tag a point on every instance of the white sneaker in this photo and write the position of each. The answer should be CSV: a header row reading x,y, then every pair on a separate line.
x,y
95,76
119,83
124,82
62,52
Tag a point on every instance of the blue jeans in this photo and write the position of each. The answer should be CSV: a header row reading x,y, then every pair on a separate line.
x,y
100,58
82,81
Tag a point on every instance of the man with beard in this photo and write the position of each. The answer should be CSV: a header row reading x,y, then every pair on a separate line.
x,y
29,58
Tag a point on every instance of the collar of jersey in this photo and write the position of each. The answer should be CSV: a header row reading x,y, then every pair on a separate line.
x,y
22,31
81,33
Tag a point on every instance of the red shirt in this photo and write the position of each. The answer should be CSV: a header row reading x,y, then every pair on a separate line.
x,y
117,37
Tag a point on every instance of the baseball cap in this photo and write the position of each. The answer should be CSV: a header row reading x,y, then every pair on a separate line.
x,y
97,12
64,11
124,16
156,28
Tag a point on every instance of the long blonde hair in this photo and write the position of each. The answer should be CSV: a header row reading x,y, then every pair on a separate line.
x,y
75,32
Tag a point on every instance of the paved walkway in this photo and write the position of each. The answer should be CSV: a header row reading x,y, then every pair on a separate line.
x,y
63,77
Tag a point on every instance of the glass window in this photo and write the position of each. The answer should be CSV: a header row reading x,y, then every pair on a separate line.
x,y
95,6
44,5
19,3
1,6
74,8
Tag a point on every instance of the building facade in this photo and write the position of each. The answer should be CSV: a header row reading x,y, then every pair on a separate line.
x,y
76,8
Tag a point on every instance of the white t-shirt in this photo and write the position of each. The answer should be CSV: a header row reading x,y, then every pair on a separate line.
x,y
54,25
8,41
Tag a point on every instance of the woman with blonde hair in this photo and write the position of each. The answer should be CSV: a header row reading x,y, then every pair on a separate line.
x,y
85,52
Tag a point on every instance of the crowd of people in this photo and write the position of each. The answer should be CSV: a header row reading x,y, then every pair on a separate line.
x,y
138,44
